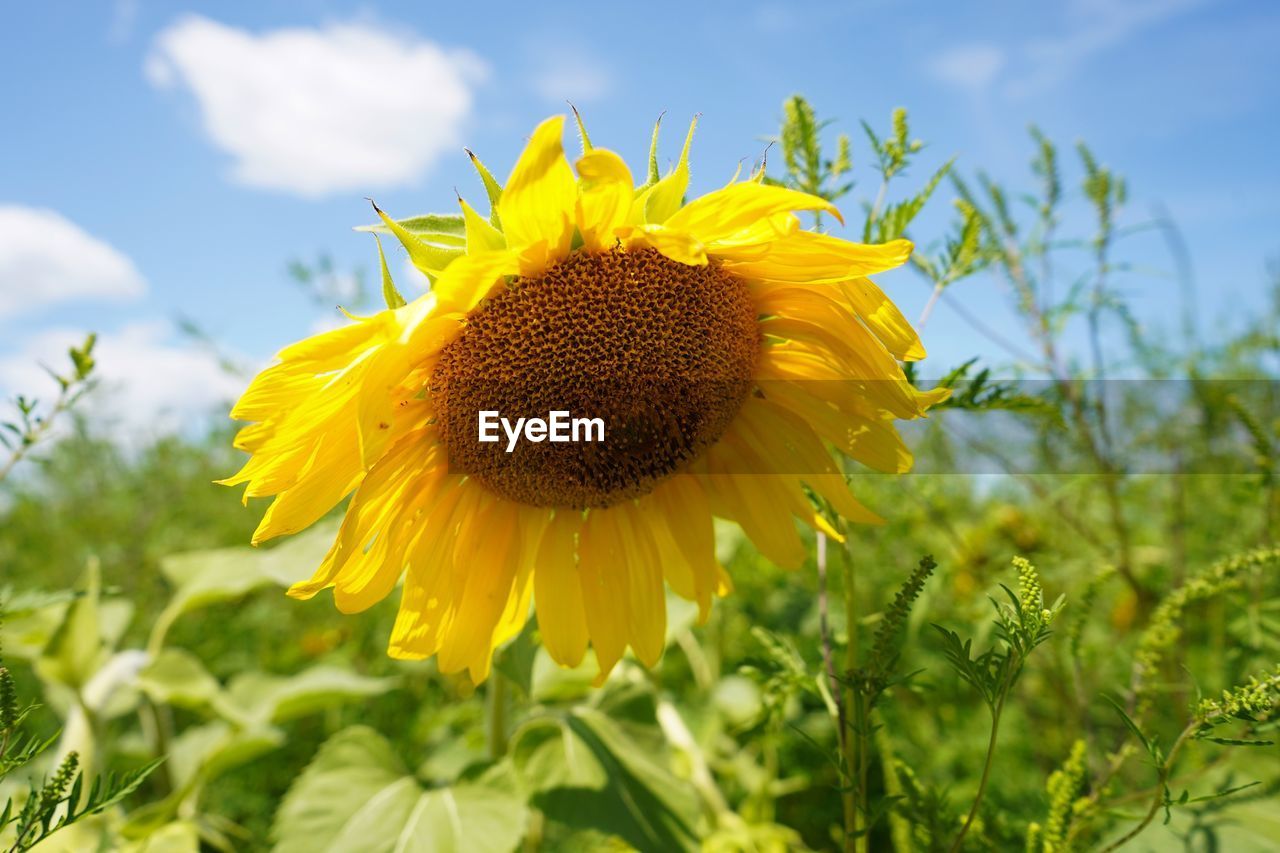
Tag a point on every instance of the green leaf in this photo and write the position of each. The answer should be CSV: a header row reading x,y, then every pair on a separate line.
x,y
30,621
177,677
76,649
260,698
586,773
202,578
1230,741
356,797
515,660
180,836
1132,726
202,753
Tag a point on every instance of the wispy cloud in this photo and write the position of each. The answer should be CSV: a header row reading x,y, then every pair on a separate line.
x,y
316,110
1036,64
971,66
568,75
46,258
1098,25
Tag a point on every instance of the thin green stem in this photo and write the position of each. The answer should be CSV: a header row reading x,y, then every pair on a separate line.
x,y
848,801
1163,773
854,748
996,712
33,436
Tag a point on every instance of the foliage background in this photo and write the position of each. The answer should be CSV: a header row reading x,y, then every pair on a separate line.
x,y
143,628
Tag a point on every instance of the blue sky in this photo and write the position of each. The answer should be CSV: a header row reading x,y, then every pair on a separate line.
x,y
167,159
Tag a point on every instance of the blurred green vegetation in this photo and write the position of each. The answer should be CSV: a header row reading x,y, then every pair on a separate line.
x,y
145,629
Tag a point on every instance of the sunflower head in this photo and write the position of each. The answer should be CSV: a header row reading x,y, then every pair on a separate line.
x,y
725,351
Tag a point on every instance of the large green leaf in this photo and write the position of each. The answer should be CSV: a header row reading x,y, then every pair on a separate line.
x,y
180,836
357,798
198,755
203,752
30,620
177,677
77,648
588,774
202,578
260,699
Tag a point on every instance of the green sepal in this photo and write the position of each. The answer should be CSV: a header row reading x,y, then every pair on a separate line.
x,y
442,229
666,196
582,130
389,293
491,187
429,257
654,176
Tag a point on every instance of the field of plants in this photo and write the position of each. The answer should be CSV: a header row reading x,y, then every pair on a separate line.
x,y
1066,636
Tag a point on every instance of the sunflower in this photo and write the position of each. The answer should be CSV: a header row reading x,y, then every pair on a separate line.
x,y
726,350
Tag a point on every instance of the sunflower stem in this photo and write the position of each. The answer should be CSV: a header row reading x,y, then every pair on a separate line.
x,y
854,743
847,794
496,716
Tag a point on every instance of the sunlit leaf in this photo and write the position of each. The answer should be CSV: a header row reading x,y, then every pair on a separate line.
x,y
356,797
588,774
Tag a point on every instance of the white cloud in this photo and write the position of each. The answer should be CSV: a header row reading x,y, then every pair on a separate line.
x,y
313,111
1098,25
45,258
971,66
148,383
569,76
1033,65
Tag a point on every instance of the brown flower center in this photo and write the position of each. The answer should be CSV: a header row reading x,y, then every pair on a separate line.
x,y
661,352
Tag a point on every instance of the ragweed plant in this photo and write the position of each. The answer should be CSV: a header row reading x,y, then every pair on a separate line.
x,y
32,423
1021,624
61,799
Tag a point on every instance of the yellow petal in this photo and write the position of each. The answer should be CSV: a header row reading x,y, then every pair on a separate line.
x,y
557,591
647,605
809,257
732,209
604,197
372,545
472,277
428,601
481,235
884,319
689,546
605,586
872,441
752,500
787,440
330,408
485,560
676,245
537,203
532,522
